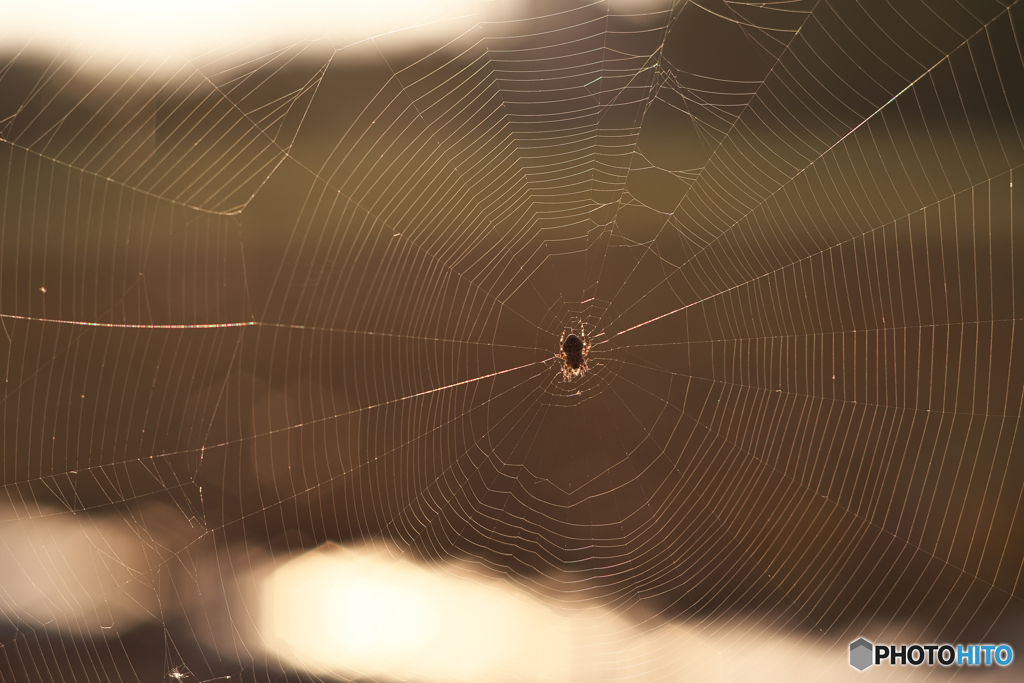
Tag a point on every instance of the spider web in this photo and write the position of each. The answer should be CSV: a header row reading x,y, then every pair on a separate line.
x,y
307,294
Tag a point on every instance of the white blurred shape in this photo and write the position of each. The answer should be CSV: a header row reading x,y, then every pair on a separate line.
x,y
363,613
167,34
180,30
73,573
375,616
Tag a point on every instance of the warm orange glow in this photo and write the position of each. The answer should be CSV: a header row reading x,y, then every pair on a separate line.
x,y
362,612
169,34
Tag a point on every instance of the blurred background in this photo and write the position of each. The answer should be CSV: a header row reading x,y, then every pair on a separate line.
x,y
281,292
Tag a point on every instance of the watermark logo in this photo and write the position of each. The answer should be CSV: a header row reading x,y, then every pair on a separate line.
x,y
864,654
861,654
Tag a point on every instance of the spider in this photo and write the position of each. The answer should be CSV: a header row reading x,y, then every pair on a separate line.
x,y
572,351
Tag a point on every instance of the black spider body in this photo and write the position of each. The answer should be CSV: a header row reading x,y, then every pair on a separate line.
x,y
573,349
572,352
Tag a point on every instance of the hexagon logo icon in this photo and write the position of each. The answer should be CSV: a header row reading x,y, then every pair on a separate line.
x,y
860,654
